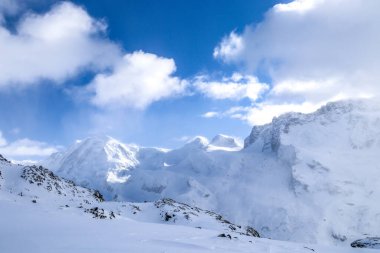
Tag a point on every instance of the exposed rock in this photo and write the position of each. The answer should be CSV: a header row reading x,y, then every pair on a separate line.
x,y
172,211
369,242
225,236
48,180
2,159
100,213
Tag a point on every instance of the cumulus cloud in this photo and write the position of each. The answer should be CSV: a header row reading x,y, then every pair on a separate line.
x,y
138,80
313,51
24,148
235,87
66,40
54,46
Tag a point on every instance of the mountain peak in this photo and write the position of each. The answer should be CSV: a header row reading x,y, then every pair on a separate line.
x,y
197,142
96,161
327,114
225,141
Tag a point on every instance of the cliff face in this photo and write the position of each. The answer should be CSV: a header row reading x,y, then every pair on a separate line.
x,y
332,159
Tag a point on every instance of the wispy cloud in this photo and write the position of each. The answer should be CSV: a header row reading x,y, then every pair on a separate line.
x,y
25,148
313,51
235,87
210,114
231,46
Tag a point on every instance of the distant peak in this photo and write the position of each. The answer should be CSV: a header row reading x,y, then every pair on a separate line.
x,y
198,142
222,140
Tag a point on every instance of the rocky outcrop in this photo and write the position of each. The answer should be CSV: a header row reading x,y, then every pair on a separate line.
x,y
48,180
172,211
2,159
369,242
100,213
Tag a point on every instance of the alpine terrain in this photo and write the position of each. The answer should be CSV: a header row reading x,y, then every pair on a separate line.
x,y
309,178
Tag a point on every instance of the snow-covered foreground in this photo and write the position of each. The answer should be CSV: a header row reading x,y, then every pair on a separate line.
x,y
32,228
41,212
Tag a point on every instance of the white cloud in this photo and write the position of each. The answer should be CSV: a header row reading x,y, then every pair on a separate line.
x,y
54,46
299,6
66,40
232,45
263,113
314,51
138,80
210,114
23,148
184,138
236,112
235,87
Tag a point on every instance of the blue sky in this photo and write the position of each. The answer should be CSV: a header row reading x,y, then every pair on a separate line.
x,y
157,73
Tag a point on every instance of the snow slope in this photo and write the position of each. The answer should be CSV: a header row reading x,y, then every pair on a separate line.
x,y
38,185
331,157
59,232
304,177
45,213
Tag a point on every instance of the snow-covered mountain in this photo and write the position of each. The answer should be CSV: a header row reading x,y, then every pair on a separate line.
x,y
129,172
303,177
331,161
224,142
95,162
